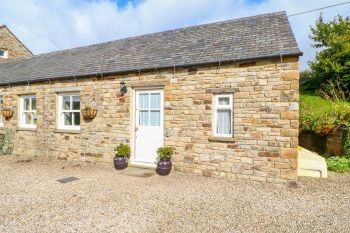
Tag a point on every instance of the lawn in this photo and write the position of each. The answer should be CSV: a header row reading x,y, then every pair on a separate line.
x,y
104,200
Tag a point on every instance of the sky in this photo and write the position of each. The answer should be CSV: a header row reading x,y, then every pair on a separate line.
x,y
50,25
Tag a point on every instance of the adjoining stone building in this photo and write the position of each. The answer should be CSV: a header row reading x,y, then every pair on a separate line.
x,y
11,47
224,95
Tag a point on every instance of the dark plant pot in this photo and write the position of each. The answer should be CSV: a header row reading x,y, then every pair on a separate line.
x,y
120,163
164,167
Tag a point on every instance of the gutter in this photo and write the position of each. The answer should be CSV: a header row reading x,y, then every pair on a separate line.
x,y
219,62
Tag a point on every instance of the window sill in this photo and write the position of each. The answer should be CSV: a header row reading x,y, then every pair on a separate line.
x,y
221,139
71,131
26,129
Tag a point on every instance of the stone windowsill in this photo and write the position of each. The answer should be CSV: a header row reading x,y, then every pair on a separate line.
x,y
221,139
223,90
26,129
67,131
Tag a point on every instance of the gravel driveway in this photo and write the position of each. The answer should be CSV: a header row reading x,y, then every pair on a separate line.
x,y
104,200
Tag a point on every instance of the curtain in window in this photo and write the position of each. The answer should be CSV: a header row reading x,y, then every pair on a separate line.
x,y
223,122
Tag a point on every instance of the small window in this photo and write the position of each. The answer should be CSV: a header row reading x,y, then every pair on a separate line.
x,y
27,111
1,106
149,108
69,111
3,53
223,112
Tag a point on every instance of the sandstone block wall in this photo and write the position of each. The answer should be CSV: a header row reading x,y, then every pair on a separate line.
x,y
265,119
10,43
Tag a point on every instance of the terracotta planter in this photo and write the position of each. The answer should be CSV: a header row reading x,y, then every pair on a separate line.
x,y
164,167
120,163
89,113
7,113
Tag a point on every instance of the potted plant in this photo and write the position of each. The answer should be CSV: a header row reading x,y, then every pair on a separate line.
x,y
164,164
89,113
7,113
122,153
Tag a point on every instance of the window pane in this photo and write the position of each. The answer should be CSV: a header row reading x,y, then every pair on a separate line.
x,y
155,100
143,118
224,100
33,103
67,118
28,118
34,118
66,102
143,101
76,102
155,118
2,53
76,118
223,125
26,103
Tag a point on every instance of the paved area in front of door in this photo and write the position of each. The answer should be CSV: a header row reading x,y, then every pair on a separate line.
x,y
105,200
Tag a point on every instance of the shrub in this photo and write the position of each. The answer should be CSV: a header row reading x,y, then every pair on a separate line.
x,y
165,153
6,144
338,164
322,116
122,150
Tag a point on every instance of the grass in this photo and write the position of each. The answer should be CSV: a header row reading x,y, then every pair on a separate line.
x,y
322,116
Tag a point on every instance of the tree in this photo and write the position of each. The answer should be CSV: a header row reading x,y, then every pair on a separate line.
x,y
332,63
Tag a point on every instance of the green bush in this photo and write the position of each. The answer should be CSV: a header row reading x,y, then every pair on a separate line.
x,y
165,152
323,116
338,164
122,150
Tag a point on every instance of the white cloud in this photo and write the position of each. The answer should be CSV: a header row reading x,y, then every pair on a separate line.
x,y
59,24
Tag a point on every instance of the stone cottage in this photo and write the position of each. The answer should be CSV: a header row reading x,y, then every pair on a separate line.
x,y
10,46
224,95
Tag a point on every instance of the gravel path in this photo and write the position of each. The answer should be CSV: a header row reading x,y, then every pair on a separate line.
x,y
103,200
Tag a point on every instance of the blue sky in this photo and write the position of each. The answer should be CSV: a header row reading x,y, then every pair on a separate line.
x,y
46,26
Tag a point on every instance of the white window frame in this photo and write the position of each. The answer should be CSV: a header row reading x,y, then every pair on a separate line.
x,y
222,107
6,54
22,112
61,111
1,107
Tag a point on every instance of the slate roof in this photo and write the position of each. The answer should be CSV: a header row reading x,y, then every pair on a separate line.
x,y
267,35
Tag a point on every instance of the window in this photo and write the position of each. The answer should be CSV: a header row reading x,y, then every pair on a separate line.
x,y
27,111
223,116
3,53
149,108
69,111
1,105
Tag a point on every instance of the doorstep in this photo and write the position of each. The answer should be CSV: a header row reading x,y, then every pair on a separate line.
x,y
138,171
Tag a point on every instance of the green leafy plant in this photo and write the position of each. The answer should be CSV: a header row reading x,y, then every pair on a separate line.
x,y
331,65
323,116
122,150
165,152
6,144
338,164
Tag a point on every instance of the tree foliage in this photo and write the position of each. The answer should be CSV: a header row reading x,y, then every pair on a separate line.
x,y
332,63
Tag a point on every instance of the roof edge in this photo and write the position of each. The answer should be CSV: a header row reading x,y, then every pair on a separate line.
x,y
280,56
161,32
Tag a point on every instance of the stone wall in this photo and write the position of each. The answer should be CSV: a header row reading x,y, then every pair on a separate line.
x,y
9,42
264,145
325,145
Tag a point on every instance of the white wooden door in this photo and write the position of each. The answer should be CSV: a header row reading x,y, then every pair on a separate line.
x,y
149,130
